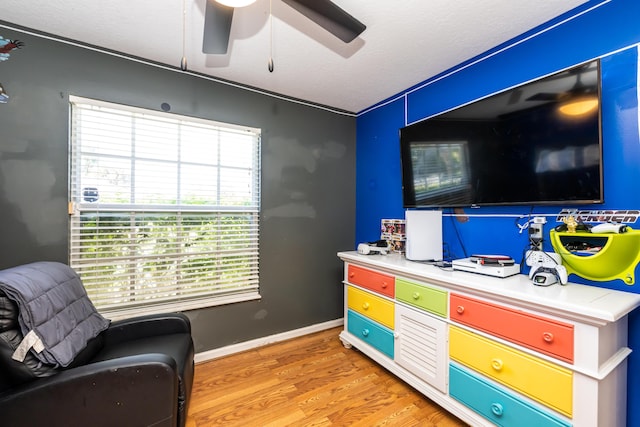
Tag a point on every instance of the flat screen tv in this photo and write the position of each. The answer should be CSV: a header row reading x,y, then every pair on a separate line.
x,y
535,144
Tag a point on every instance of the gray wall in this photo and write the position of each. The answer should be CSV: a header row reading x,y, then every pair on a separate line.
x,y
308,177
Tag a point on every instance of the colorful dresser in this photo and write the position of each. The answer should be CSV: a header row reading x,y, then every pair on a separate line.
x,y
492,351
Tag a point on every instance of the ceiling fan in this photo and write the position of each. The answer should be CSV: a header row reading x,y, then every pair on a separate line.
x,y
578,88
219,16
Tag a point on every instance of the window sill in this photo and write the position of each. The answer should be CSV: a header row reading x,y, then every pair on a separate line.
x,y
124,313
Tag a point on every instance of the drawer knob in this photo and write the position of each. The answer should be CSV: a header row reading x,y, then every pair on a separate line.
x,y
496,364
366,306
352,275
460,309
416,295
497,410
547,336
365,332
384,285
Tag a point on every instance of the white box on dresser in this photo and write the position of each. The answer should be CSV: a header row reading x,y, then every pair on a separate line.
x,y
588,345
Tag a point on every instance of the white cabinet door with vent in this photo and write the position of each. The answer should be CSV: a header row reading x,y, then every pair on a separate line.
x,y
421,346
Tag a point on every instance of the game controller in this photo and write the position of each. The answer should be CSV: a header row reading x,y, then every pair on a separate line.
x,y
371,249
534,257
609,227
548,273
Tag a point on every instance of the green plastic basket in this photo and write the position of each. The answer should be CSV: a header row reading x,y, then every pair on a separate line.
x,y
617,257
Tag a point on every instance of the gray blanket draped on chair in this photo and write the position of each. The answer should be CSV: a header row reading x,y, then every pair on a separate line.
x,y
57,318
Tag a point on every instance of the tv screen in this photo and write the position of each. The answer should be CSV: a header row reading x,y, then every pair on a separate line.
x,y
538,143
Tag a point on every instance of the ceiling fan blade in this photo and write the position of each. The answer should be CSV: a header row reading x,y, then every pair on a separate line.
x,y
330,17
515,96
217,27
544,96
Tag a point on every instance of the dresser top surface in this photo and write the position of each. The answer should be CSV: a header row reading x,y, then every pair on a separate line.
x,y
586,303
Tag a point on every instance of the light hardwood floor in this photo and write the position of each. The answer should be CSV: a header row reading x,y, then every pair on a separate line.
x,y
307,381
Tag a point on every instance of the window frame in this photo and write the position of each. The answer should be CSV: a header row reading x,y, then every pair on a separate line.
x,y
79,207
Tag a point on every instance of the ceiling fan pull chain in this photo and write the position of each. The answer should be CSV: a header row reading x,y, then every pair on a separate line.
x,y
270,63
183,61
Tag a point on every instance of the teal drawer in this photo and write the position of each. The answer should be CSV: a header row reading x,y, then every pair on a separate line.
x,y
370,332
495,404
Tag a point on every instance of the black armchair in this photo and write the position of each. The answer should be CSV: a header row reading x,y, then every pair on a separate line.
x,y
137,372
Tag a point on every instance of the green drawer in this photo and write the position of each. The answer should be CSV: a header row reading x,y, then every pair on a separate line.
x,y
421,296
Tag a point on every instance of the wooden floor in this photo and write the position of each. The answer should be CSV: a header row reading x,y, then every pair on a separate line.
x,y
308,381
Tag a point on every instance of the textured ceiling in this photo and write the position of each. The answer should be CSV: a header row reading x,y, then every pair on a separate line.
x,y
406,41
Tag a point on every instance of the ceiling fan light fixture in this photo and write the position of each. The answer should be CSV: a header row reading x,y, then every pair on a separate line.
x,y
579,107
236,3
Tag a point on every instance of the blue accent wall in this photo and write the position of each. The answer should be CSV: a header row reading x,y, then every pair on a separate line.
x,y
609,30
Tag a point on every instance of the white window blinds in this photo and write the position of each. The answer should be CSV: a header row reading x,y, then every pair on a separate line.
x,y
164,209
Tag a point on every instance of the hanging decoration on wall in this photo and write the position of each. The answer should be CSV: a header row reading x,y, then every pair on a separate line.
x,y
606,215
3,95
7,45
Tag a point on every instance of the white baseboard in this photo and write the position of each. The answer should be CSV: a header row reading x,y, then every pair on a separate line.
x,y
260,342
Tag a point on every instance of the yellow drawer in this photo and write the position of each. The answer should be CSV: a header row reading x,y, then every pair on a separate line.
x,y
371,306
545,382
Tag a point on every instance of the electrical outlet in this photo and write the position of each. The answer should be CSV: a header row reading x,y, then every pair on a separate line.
x,y
539,257
535,231
535,236
536,225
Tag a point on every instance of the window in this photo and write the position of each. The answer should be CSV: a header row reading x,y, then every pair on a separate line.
x,y
439,168
164,209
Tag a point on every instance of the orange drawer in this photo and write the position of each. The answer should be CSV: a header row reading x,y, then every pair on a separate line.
x,y
537,333
372,280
